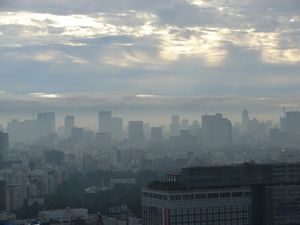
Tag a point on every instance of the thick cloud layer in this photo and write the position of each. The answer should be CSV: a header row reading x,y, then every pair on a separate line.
x,y
185,50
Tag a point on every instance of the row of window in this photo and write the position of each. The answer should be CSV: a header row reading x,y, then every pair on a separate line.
x,y
197,196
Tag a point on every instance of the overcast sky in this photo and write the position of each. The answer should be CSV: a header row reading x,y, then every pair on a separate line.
x,y
148,56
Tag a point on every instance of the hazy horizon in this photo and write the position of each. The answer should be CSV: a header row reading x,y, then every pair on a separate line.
x,y
177,56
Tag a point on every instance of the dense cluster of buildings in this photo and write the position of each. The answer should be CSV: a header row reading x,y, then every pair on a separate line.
x,y
245,194
35,158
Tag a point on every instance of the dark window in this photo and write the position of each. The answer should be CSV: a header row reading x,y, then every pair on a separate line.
x,y
186,197
237,194
200,196
225,195
213,195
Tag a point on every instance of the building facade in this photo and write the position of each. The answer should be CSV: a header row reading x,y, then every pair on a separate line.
x,y
245,194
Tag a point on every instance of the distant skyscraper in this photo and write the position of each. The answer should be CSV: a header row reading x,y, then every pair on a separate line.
x,y
175,126
109,124
136,133
245,120
216,131
117,127
22,131
69,125
185,124
104,119
292,122
3,146
46,123
156,134
147,131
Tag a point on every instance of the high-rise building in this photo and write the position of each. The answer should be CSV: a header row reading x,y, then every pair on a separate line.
x,y
46,123
147,131
156,134
245,194
18,131
216,131
175,126
117,128
245,120
109,124
185,124
136,133
104,120
3,147
69,125
292,122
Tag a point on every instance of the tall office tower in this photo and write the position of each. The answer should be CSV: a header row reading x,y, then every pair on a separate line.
x,y
46,123
136,133
283,121
216,131
175,126
292,122
156,134
103,140
256,194
147,131
105,121
117,128
245,120
185,124
69,125
195,128
3,147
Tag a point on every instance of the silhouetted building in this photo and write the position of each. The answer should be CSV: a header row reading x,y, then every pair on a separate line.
x,y
246,194
19,131
185,141
245,120
147,131
117,128
104,119
109,124
292,122
46,123
136,133
257,130
156,134
3,147
175,126
216,131
69,125
185,124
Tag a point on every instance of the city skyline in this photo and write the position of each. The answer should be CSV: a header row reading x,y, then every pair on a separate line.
x,y
177,56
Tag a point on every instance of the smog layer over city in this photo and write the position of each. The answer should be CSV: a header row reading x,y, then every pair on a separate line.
x,y
148,112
